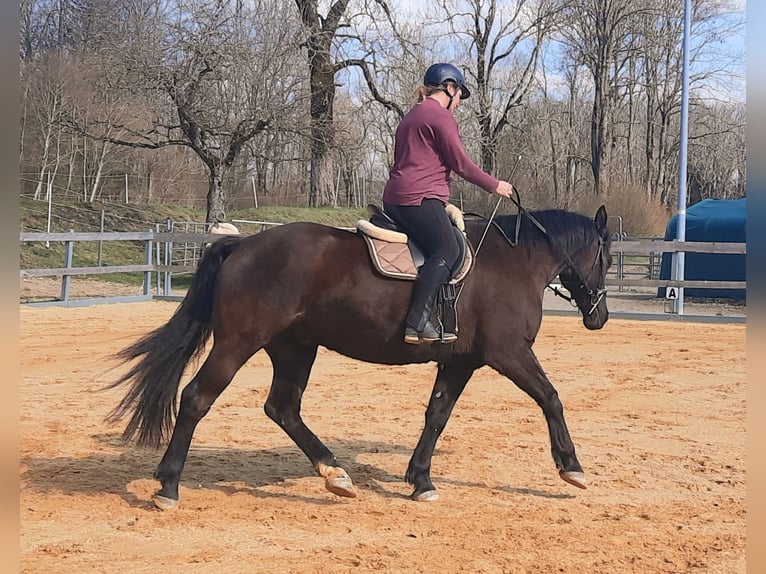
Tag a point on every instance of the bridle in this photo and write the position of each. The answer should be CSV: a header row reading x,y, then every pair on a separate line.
x,y
595,295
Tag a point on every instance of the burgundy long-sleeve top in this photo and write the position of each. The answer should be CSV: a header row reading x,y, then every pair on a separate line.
x,y
427,150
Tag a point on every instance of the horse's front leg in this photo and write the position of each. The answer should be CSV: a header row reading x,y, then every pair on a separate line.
x,y
450,382
525,371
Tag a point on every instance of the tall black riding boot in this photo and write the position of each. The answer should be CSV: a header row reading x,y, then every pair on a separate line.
x,y
419,328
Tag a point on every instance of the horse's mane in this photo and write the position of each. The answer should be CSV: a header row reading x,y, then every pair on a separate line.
x,y
567,231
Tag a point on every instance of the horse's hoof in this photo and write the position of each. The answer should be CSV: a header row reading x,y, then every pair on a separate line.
x,y
164,503
342,486
427,496
575,478
337,481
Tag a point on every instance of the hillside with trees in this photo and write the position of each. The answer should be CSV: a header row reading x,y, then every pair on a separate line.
x,y
226,105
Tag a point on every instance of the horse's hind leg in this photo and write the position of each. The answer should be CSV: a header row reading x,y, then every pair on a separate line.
x,y
525,371
450,382
292,363
196,399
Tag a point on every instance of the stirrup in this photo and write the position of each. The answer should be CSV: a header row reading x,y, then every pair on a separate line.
x,y
447,337
414,338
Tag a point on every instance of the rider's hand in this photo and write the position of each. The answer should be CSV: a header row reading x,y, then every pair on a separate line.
x,y
504,188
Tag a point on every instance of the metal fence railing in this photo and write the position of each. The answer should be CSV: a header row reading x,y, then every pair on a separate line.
x,y
168,253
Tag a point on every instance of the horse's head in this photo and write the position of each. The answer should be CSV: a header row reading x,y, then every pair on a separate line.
x,y
585,274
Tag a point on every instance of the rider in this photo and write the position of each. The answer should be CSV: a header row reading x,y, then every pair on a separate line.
x,y
427,149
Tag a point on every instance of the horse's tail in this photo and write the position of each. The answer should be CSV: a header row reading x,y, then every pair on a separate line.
x,y
165,352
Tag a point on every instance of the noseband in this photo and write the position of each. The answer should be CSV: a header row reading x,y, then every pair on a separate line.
x,y
595,296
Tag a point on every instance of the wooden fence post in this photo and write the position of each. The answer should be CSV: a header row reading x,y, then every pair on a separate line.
x,y
148,261
101,243
169,257
157,259
68,258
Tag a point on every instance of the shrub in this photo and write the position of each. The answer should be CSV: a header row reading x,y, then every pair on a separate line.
x,y
641,216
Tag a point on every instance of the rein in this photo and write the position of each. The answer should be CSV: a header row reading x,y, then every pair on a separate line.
x,y
595,296
521,210
491,221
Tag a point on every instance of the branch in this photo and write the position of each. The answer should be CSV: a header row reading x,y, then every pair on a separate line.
x,y
521,87
242,134
715,133
147,142
333,15
368,77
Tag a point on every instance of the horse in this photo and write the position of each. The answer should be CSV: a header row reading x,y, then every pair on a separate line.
x,y
290,289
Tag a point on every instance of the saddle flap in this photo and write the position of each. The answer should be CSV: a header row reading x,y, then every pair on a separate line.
x,y
392,259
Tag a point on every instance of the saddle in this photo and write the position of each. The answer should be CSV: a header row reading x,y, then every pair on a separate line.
x,y
394,255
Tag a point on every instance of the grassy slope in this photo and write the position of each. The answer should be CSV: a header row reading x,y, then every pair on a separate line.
x,y
86,217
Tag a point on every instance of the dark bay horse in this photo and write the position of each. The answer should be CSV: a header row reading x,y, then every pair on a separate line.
x,y
295,287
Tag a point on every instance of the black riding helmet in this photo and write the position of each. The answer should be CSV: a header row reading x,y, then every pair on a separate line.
x,y
438,74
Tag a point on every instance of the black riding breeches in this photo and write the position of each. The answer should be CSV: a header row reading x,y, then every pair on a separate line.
x,y
429,227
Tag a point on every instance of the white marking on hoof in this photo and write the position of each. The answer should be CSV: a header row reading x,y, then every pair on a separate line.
x,y
427,496
337,480
165,503
575,478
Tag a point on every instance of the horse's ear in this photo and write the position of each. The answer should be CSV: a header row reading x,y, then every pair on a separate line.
x,y
600,219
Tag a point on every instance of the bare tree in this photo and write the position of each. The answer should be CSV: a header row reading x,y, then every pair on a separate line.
x,y
208,98
717,152
660,74
44,76
43,83
555,127
208,77
504,41
328,52
321,31
599,33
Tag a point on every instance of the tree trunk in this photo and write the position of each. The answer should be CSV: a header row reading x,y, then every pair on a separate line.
x,y
149,190
571,181
322,81
100,162
649,146
44,161
70,165
554,163
488,144
216,195
597,133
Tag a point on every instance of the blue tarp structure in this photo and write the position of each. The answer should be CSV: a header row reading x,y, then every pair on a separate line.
x,y
721,220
